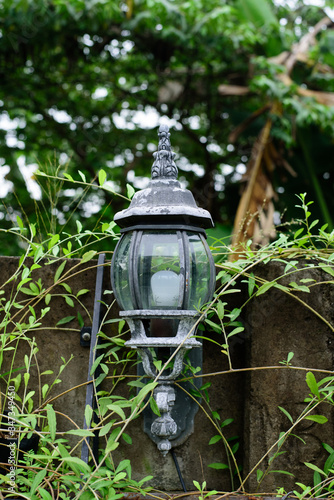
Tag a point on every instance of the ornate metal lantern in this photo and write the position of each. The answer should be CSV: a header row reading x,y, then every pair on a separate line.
x,y
162,273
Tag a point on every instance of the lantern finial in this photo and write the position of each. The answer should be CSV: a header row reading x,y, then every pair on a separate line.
x,y
164,166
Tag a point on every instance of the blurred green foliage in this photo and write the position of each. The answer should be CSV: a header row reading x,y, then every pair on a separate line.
x,y
84,83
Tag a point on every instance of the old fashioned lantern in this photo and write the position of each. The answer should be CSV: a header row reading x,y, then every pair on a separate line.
x,y
162,273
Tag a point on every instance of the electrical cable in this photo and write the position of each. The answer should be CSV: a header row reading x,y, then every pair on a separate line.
x,y
287,495
178,471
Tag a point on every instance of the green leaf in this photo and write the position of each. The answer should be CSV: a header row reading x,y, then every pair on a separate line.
x,y
111,443
136,383
154,407
320,419
290,356
130,191
213,325
54,240
220,309
88,256
235,331
47,372
259,474
27,291
126,438
314,467
96,363
45,389
218,466
286,413
300,288
88,415
59,271
281,472
67,287
312,383
329,463
281,439
314,223
328,448
215,439
263,288
68,300
77,461
69,177
297,233
25,273
316,481
327,269
102,177
44,494
234,314
37,480
197,485
79,226
19,222
226,422
52,421
28,396
144,391
65,320
80,432
82,175
106,428
251,284
80,320
116,409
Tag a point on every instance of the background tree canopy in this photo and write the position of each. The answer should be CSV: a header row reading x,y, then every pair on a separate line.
x,y
247,87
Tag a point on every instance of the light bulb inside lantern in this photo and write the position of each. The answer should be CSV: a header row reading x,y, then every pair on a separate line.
x,y
165,289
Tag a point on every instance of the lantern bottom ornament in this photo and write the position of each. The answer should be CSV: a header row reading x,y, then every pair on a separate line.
x,y
164,427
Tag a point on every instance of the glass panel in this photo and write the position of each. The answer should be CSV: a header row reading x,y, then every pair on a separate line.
x,y
159,277
121,273
199,274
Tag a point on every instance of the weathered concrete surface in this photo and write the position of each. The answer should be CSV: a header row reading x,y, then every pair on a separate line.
x,y
275,324
55,343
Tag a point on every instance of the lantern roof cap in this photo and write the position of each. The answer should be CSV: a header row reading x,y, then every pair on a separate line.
x,y
164,201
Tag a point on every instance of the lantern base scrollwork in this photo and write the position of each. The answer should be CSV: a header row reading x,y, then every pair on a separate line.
x,y
150,370
177,408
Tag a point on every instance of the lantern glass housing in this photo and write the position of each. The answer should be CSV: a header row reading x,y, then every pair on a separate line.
x,y
162,270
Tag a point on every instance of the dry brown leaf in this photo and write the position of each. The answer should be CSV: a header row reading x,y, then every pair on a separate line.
x,y
233,90
258,192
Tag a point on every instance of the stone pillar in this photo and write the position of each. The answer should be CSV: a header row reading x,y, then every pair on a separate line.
x,y
277,324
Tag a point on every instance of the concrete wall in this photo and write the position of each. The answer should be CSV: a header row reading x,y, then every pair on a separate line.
x,y
275,324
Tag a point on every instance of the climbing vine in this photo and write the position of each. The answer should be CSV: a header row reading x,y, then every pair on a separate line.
x,y
54,469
